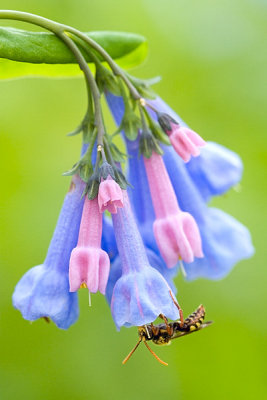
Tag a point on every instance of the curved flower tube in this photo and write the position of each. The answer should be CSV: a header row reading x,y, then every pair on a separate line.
x,y
44,290
176,232
141,293
108,241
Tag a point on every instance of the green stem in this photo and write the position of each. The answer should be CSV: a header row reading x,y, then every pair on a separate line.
x,y
91,82
115,68
45,23
56,28
59,30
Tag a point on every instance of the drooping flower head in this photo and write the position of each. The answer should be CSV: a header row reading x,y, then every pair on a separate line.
x,y
44,290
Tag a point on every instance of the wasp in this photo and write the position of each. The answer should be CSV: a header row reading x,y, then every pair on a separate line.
x,y
163,333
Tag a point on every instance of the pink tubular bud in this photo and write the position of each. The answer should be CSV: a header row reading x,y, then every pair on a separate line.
x,y
185,142
110,196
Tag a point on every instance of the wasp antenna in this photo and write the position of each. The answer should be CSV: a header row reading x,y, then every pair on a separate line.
x,y
155,355
131,352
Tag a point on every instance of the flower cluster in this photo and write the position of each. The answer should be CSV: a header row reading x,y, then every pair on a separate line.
x,y
126,232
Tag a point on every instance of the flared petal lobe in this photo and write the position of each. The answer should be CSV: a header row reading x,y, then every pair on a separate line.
x,y
139,297
225,242
44,290
216,170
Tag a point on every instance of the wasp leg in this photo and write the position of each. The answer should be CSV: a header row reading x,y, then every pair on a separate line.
x,y
169,329
180,310
155,329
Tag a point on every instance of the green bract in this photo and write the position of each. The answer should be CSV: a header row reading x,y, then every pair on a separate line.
x,y
25,53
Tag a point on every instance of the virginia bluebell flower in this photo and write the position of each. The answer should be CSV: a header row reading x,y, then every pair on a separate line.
x,y
44,290
225,241
141,293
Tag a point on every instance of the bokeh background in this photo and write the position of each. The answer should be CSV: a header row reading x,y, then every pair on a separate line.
x,y
212,58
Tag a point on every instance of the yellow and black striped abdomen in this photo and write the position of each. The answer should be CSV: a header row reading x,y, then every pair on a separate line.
x,y
191,323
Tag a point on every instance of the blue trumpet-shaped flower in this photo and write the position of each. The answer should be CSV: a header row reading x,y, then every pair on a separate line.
x,y
141,293
225,241
44,290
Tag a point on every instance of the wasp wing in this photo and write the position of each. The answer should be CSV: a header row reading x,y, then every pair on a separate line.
x,y
178,334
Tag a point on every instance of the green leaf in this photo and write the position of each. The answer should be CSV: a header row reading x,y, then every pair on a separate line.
x,y
25,53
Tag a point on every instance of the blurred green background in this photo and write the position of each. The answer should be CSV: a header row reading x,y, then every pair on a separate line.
x,y
212,58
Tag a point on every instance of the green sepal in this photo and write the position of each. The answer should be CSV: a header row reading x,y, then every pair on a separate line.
x,y
117,155
115,152
83,168
106,80
86,127
120,178
85,171
157,130
106,170
72,171
148,144
92,187
130,124
165,121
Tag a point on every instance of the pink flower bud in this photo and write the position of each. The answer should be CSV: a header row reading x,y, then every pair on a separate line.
x,y
185,142
89,264
110,196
